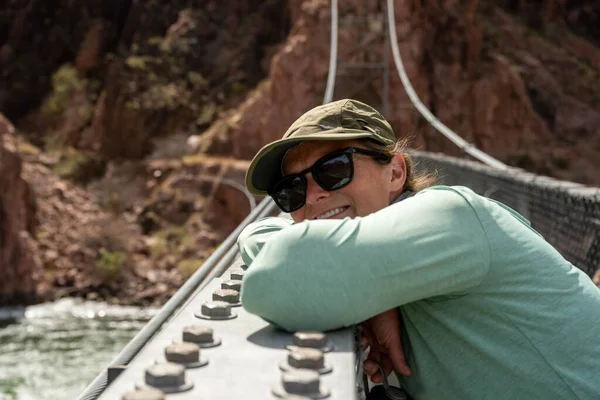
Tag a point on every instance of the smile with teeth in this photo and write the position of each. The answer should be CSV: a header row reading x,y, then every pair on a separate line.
x,y
331,213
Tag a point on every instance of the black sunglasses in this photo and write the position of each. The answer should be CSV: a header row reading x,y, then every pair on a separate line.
x,y
333,171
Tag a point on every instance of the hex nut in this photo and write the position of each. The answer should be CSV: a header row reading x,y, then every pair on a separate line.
x,y
304,357
301,381
144,394
183,353
232,284
216,310
315,340
197,334
300,384
236,274
307,358
201,335
164,375
227,295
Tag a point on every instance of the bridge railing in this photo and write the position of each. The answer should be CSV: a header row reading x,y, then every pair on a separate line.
x,y
567,214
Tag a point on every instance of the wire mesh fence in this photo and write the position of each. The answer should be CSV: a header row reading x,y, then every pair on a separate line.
x,y
567,214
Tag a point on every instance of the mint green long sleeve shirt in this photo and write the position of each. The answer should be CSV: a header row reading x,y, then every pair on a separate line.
x,y
490,310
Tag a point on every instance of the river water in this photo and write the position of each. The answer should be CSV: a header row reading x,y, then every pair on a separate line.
x,y
54,350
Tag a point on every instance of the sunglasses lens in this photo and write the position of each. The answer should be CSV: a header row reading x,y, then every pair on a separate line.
x,y
331,173
334,173
290,194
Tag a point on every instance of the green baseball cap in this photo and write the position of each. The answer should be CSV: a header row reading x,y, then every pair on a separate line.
x,y
339,120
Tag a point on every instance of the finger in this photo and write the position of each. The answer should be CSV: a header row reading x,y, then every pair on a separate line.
x,y
371,363
368,339
386,364
364,342
372,370
370,367
396,355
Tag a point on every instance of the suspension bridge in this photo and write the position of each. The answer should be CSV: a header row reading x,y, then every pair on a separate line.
x,y
202,344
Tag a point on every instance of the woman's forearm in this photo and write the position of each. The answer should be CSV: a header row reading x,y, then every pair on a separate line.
x,y
328,274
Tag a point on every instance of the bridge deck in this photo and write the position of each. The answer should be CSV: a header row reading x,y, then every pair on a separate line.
x,y
247,363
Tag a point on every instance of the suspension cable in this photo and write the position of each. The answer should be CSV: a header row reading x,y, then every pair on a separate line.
x,y
414,98
332,53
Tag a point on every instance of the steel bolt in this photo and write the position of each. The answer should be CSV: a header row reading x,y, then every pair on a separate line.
x,y
227,295
232,284
216,310
165,375
144,394
315,340
306,358
201,335
197,334
236,274
301,381
183,353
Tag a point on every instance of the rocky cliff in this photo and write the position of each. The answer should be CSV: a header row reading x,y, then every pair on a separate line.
x,y
104,97
135,120
515,80
19,264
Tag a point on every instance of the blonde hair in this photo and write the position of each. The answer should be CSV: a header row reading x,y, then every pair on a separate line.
x,y
415,181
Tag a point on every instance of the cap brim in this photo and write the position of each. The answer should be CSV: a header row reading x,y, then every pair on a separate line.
x,y
265,168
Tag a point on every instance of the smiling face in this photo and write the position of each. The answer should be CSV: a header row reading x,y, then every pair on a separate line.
x,y
374,185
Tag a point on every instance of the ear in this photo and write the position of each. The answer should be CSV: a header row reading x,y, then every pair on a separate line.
x,y
398,175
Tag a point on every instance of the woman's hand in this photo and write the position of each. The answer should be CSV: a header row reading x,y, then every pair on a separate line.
x,y
382,334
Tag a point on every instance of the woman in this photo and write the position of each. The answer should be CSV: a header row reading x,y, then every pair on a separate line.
x,y
488,308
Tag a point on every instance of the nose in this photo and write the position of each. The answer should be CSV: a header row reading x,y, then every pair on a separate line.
x,y
314,192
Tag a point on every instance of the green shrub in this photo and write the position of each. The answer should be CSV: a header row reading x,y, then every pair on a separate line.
x,y
65,82
78,166
110,263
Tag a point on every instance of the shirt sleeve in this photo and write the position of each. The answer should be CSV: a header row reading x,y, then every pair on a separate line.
x,y
252,238
329,274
